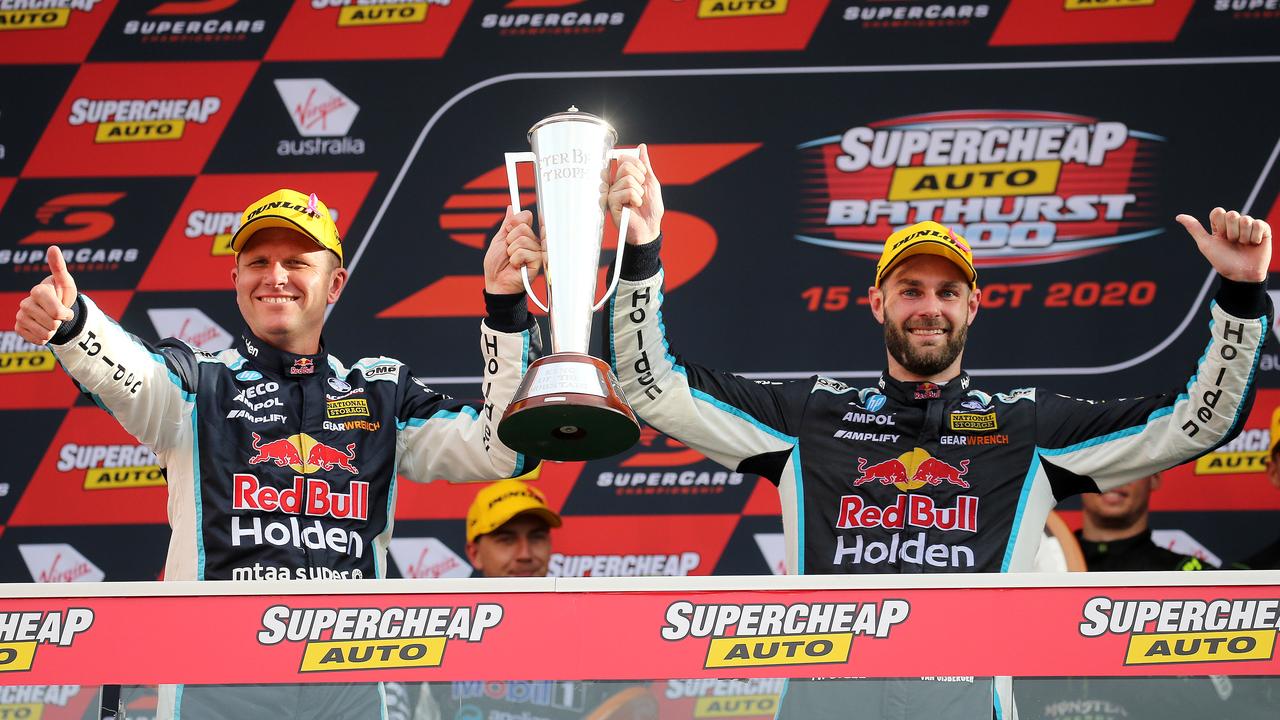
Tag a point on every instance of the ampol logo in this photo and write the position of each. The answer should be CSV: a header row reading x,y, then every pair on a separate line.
x,y
1023,187
59,562
470,216
427,557
317,108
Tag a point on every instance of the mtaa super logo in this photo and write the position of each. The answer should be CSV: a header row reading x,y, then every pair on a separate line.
x,y
1023,187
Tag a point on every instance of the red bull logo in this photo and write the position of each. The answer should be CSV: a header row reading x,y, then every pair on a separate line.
x,y
917,511
291,451
913,470
307,496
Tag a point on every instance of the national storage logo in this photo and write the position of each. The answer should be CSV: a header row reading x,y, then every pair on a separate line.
x,y
1170,632
22,634
773,634
41,14
1021,187
375,638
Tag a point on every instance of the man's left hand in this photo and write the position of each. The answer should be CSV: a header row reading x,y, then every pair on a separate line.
x,y
1238,246
514,246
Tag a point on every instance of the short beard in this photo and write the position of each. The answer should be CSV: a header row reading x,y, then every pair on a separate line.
x,y
922,364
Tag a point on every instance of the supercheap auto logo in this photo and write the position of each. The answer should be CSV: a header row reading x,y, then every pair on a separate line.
x,y
41,14
1170,632
470,215
361,13
214,227
1022,187
774,634
141,119
19,356
721,698
22,634
678,26
1247,453
108,467
375,638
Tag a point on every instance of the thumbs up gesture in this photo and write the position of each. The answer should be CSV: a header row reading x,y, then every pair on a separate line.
x,y
1238,246
49,304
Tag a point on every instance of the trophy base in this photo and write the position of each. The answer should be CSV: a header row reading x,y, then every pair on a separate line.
x,y
569,407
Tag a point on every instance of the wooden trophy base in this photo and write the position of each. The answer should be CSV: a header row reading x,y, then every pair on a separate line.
x,y
569,407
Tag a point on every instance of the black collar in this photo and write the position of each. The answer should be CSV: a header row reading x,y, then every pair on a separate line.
x,y
279,362
922,392
1093,549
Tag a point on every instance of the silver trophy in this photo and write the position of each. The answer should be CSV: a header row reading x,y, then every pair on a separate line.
x,y
569,405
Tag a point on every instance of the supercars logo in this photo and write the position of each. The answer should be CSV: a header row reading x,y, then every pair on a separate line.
x,y
180,22
566,22
373,638
22,633
141,120
472,214
773,634
659,451
19,356
879,14
79,224
1168,632
1021,187
912,470
110,467
41,15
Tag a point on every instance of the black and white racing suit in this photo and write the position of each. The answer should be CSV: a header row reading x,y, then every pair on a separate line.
x,y
283,466
918,478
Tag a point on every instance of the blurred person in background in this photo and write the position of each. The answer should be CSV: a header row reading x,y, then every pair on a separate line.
x,y
1115,533
1268,558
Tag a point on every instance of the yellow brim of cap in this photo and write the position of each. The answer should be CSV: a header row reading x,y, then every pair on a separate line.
x,y
932,247
500,519
262,222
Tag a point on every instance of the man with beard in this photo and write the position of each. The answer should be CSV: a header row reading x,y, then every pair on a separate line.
x,y
922,472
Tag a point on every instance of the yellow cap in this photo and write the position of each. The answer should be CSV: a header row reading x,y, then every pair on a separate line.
x,y
929,238
293,210
497,503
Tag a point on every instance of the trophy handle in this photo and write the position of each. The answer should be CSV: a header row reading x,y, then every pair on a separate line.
x,y
514,187
622,233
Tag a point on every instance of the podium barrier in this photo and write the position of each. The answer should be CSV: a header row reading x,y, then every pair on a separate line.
x,y
1032,625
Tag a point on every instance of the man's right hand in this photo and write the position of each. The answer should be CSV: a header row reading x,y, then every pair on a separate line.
x,y
49,304
635,186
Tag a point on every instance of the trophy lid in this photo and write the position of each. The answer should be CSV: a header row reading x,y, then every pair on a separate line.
x,y
574,114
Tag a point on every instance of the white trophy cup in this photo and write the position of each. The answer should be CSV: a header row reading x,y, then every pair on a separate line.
x,y
569,405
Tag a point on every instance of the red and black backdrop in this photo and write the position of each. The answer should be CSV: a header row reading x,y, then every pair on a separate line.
x,y
790,136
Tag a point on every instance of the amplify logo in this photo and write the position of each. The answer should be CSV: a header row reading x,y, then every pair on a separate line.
x,y
46,15
109,467
516,20
19,356
773,634
22,633
1021,187
1169,632
372,638
470,216
318,110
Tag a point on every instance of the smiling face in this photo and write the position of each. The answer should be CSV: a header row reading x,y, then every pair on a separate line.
x,y
520,547
1120,509
926,306
284,281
